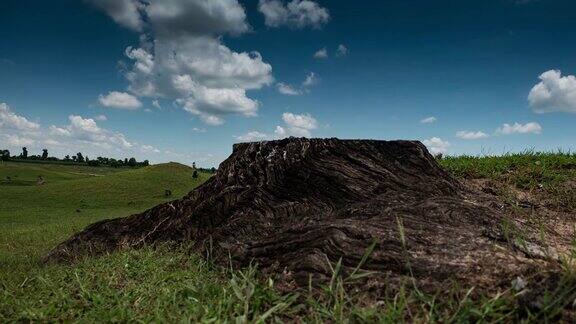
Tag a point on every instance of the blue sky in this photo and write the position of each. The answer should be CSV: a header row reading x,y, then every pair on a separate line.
x,y
182,80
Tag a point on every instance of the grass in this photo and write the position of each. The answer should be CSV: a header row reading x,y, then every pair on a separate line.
x,y
35,218
551,176
526,170
170,284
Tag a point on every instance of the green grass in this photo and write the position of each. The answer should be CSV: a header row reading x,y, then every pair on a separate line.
x,y
527,170
35,218
170,284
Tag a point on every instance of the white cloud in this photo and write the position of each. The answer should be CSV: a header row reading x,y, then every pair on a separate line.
x,y
9,119
199,130
554,93
120,100
17,141
342,50
101,118
295,14
181,57
58,131
79,134
209,104
124,12
471,135
305,121
428,120
156,104
321,53
149,149
299,125
287,89
517,128
311,80
436,145
173,18
79,124
252,137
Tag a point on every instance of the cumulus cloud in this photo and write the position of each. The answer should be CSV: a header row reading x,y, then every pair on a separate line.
x,y
321,53
120,100
10,120
436,145
149,148
210,104
252,137
101,118
342,50
17,140
517,128
124,12
81,134
428,120
182,57
295,13
175,18
554,93
471,135
78,134
311,80
287,89
299,125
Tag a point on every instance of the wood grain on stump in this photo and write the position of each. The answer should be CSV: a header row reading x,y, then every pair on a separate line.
x,y
291,205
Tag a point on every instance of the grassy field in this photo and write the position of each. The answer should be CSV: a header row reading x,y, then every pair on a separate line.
x,y
34,218
169,284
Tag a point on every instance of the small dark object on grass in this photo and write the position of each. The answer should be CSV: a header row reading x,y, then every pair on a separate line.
x,y
40,181
78,211
167,193
195,174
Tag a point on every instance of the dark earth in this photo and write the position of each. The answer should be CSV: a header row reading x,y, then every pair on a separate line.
x,y
297,206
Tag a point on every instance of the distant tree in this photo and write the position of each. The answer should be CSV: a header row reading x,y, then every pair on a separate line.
x,y
44,154
4,155
24,153
131,162
86,159
193,165
125,161
74,158
145,163
195,174
79,157
213,169
67,158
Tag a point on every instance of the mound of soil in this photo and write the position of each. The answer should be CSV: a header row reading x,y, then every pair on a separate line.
x,y
296,205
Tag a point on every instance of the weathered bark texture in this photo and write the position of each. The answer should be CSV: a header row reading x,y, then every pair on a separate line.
x,y
291,205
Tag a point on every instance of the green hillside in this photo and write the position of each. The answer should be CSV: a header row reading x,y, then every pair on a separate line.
x,y
34,218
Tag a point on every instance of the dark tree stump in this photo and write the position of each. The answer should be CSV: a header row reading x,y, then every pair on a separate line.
x,y
291,205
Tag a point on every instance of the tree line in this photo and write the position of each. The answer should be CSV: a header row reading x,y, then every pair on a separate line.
x,y
78,158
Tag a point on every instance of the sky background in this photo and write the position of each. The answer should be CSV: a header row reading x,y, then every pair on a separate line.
x,y
180,80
